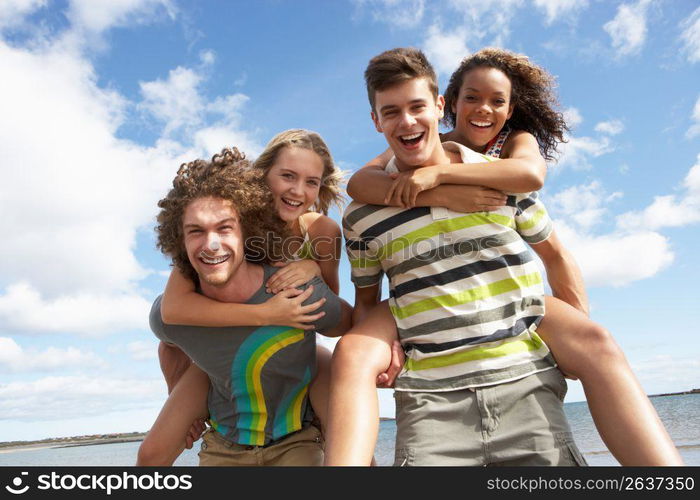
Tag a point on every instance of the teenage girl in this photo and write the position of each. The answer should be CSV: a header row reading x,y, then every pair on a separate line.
x,y
501,104
304,182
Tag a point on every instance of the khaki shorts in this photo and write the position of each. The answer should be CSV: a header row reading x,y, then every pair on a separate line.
x,y
301,448
509,424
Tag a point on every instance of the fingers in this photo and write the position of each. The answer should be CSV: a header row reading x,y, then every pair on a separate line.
x,y
392,189
309,308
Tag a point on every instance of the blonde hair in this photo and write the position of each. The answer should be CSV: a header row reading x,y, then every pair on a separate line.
x,y
330,192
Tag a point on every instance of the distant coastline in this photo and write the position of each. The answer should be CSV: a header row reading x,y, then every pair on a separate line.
x,y
691,391
65,442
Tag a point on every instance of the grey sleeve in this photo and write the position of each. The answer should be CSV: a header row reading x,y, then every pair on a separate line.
x,y
156,322
331,307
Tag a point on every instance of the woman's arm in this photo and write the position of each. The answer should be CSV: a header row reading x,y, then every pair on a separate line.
x,y
520,170
182,305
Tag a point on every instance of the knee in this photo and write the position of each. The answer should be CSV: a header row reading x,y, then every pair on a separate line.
x,y
601,344
150,454
358,354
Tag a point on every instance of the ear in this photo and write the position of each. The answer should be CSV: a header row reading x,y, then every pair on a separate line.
x,y
440,103
375,119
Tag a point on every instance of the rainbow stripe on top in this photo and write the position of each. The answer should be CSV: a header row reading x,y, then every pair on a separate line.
x,y
246,371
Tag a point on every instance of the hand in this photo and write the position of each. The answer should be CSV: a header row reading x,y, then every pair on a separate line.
x,y
398,358
404,191
466,198
195,432
286,309
292,274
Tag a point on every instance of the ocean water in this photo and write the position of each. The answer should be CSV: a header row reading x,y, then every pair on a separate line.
x,y
679,414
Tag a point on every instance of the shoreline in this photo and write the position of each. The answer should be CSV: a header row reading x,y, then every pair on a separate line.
x,y
113,438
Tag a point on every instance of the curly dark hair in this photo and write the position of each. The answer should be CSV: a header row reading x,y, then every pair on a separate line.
x,y
228,175
532,94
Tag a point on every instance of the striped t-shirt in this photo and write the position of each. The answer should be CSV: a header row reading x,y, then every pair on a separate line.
x,y
465,290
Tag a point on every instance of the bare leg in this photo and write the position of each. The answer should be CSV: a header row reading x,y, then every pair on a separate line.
x,y
360,356
625,418
186,403
320,387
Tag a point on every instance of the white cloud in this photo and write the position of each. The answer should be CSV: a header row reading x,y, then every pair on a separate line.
x,y
572,116
661,372
14,358
445,50
578,151
12,12
142,350
583,205
558,9
628,29
23,309
399,13
605,260
100,16
76,195
612,127
175,101
489,20
59,398
691,36
694,129
669,210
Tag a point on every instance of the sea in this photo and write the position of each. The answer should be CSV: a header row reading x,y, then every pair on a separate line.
x,y
680,414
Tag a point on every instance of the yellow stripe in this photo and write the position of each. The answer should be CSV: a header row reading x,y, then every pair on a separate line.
x,y
533,221
523,345
465,296
257,382
441,227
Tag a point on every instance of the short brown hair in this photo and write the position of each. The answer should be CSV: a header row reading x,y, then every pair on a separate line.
x,y
397,66
532,96
330,191
228,176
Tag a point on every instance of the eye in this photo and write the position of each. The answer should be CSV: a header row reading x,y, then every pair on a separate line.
x,y
470,98
500,102
418,107
313,183
194,231
288,176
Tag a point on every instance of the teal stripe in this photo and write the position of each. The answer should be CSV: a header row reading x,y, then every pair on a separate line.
x,y
284,423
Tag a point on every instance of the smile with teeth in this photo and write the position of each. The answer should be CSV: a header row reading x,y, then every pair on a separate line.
x,y
213,260
480,124
291,203
411,138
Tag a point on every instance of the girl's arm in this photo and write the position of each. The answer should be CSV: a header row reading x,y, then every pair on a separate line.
x,y
182,305
521,169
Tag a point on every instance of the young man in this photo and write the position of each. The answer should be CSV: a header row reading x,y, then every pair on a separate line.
x,y
219,227
479,386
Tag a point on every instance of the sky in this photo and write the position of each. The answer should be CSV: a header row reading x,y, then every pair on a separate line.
x,y
103,100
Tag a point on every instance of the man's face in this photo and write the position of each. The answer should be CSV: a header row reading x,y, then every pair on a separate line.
x,y
213,239
408,115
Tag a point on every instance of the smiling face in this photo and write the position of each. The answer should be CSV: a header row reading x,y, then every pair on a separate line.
x,y
408,116
213,240
482,107
295,180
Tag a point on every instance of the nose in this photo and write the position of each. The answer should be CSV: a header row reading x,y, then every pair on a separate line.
x,y
213,242
484,108
408,120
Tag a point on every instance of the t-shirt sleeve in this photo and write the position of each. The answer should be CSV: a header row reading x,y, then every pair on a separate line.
x,y
365,266
156,322
331,306
531,218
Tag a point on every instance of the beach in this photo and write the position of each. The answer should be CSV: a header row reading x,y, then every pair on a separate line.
x,y
678,412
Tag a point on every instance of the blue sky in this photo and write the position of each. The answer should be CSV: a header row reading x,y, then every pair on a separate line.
x,y
102,101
